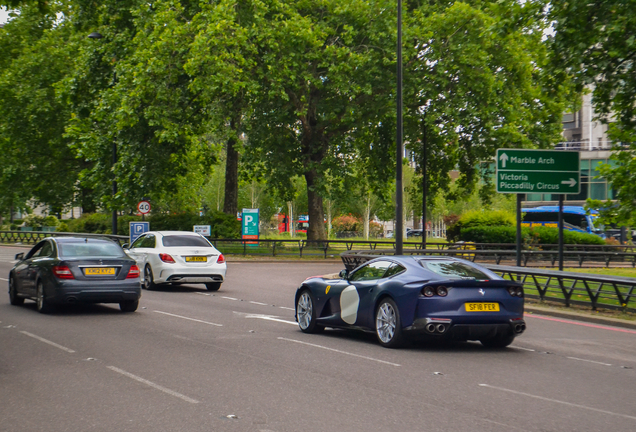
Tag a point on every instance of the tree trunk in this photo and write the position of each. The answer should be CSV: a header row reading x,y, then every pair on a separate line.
x,y
230,204
316,229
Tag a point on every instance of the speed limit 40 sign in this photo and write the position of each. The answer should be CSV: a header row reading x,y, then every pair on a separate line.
x,y
143,207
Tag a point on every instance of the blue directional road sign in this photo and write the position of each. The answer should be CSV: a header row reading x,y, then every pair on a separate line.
x,y
137,229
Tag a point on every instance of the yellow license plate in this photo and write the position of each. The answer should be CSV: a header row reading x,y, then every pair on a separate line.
x,y
196,259
482,307
99,271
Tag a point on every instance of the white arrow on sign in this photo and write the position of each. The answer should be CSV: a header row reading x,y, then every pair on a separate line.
x,y
570,182
503,158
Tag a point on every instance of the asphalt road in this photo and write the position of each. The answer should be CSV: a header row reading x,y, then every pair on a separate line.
x,y
235,360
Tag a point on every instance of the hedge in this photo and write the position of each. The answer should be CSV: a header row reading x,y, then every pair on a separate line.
x,y
530,236
221,224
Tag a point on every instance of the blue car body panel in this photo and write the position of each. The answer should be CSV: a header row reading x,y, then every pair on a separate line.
x,y
415,309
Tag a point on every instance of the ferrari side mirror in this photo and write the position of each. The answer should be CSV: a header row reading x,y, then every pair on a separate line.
x,y
344,274
20,256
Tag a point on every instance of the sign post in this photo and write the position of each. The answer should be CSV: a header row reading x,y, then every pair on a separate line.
x,y
249,225
521,171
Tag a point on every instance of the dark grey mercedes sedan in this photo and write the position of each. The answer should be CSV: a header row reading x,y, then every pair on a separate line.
x,y
67,270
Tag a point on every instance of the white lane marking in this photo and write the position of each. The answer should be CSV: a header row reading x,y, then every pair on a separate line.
x,y
3,279
191,319
206,294
41,339
288,308
229,298
559,401
151,384
338,351
522,348
269,318
259,303
589,361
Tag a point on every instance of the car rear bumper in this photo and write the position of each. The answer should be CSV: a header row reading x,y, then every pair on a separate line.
x,y
190,274
80,292
194,278
447,329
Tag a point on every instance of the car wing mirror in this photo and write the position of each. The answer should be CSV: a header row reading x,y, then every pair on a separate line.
x,y
125,246
20,256
344,274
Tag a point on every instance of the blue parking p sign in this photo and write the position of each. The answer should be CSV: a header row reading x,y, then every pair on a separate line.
x,y
137,229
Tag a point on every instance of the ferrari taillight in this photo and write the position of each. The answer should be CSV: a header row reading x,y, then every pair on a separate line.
x,y
515,291
62,272
133,273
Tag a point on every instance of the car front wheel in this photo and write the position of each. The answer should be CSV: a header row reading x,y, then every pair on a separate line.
x,y
388,327
149,282
42,305
13,293
306,313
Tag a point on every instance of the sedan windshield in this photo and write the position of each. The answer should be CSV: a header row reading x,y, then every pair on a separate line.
x,y
454,269
93,249
185,240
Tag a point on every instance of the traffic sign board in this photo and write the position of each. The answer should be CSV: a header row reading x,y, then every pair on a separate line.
x,y
538,171
137,229
143,207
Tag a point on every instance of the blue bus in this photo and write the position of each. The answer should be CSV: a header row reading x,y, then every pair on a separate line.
x,y
575,218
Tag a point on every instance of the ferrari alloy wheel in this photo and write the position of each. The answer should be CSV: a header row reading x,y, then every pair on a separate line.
x,y
148,279
13,294
40,301
388,328
306,314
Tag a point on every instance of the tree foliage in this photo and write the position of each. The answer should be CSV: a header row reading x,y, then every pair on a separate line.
x,y
595,43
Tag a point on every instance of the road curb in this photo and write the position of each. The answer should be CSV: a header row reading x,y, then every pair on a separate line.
x,y
577,316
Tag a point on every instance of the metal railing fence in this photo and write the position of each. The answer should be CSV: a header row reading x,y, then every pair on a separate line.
x,y
568,288
495,253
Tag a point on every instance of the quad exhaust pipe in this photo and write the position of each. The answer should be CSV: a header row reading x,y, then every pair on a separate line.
x,y
520,328
437,328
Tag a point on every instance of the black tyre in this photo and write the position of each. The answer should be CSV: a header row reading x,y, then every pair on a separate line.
x,y
13,294
499,341
42,305
213,286
388,325
306,313
149,281
129,306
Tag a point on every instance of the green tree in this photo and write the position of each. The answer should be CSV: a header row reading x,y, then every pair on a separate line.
x,y
594,42
36,53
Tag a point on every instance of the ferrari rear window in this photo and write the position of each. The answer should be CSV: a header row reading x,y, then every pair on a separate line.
x,y
185,240
101,249
454,269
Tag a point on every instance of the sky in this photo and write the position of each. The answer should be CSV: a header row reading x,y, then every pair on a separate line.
x,y
4,15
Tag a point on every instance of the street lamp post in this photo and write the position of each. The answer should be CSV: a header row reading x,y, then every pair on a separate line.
x,y
398,231
97,35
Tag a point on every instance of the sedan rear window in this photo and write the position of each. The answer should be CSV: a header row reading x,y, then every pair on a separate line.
x,y
185,240
78,250
454,269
